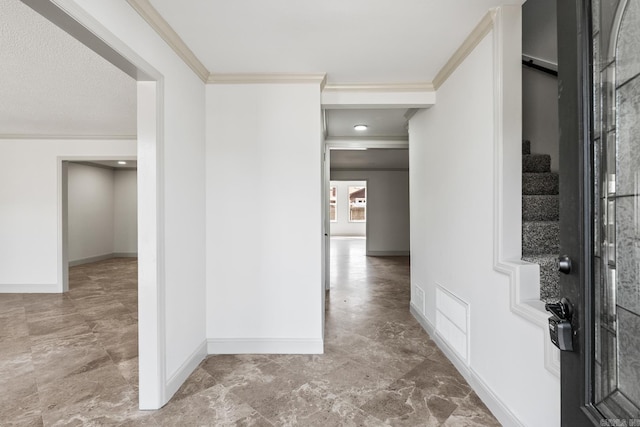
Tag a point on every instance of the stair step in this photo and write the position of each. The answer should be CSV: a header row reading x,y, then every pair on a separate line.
x,y
540,183
526,147
540,237
538,163
549,276
540,207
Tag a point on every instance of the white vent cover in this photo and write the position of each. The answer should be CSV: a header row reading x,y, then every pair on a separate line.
x,y
452,322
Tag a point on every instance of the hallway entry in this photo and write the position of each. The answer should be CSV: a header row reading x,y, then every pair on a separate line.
x,y
379,367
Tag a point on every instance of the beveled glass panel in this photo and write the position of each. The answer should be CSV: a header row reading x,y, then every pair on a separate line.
x,y
597,87
611,232
597,157
628,147
604,244
610,363
629,356
627,57
598,304
610,147
609,303
609,97
595,7
628,253
607,15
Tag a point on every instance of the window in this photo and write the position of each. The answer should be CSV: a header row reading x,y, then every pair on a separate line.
x,y
333,204
357,204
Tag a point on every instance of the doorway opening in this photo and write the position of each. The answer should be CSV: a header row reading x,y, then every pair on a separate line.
x,y
149,130
99,211
368,215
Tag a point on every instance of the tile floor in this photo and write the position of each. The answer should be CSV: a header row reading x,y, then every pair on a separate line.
x,y
71,360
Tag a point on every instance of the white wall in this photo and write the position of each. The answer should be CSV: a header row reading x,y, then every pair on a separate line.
x,y
264,151
125,212
387,209
90,212
539,30
540,113
453,206
342,226
540,90
102,213
30,192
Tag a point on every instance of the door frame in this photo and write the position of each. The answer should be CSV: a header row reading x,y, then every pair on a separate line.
x,y
345,144
63,211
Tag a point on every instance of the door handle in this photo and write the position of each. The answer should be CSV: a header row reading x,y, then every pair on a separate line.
x,y
564,264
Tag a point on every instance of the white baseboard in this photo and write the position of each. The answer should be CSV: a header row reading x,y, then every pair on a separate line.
x,y
49,288
97,258
89,260
388,253
180,376
493,402
264,346
125,255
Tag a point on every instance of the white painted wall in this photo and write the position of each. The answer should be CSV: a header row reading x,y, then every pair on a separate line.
x,y
171,172
90,212
540,90
540,113
539,30
102,213
125,212
30,209
453,235
264,152
387,209
342,226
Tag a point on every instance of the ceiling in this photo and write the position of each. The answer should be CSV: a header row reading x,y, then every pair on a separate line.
x,y
52,85
112,164
353,41
369,159
390,123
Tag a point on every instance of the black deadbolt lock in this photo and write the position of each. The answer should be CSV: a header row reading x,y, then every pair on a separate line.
x,y
560,329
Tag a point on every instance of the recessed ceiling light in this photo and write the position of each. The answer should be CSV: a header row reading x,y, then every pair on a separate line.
x,y
360,127
122,162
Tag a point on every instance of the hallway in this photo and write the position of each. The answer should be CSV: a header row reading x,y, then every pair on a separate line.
x,y
379,367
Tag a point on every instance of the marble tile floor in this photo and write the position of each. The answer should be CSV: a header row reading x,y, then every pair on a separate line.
x,y
71,360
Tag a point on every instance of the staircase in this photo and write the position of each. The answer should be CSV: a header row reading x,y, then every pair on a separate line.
x,y
540,215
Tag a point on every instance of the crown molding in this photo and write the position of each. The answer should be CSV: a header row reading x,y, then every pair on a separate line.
x,y
68,137
269,78
410,113
473,39
380,87
168,34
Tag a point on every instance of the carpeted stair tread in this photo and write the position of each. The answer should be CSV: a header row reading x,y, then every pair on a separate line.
x,y
549,275
540,208
540,237
540,183
538,163
540,215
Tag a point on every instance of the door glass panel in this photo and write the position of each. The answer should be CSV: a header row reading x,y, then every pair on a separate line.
x,y
616,208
